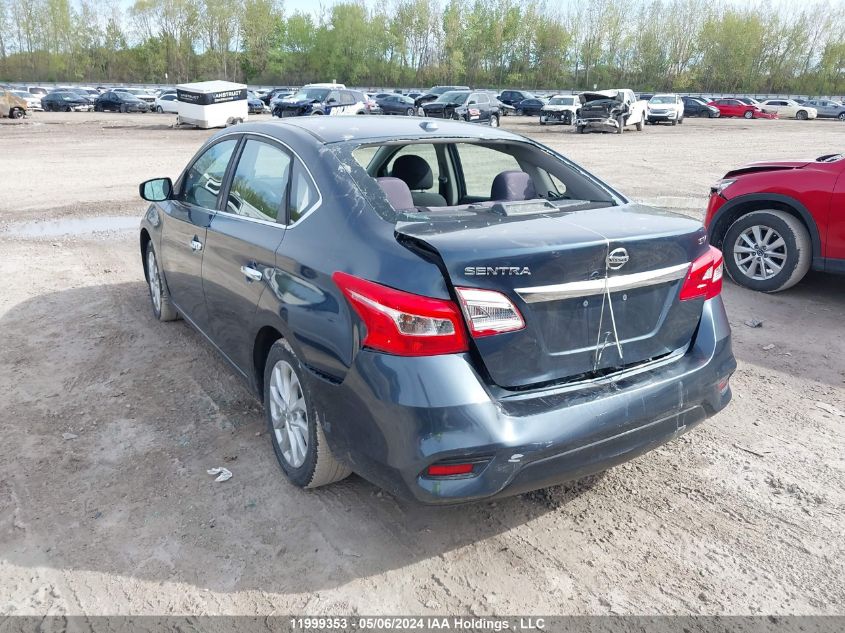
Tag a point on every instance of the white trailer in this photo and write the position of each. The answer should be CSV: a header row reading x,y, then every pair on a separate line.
x,y
209,104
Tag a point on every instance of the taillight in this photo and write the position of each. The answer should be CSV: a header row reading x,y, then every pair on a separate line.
x,y
704,279
402,323
489,312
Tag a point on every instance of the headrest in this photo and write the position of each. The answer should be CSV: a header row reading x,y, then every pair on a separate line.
x,y
414,170
397,192
512,185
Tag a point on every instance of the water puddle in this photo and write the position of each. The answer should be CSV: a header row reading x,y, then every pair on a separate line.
x,y
72,226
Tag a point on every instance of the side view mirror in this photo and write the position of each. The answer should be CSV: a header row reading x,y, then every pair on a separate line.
x,y
471,103
156,190
332,101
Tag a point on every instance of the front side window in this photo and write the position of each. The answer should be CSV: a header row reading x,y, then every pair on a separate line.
x,y
205,177
260,183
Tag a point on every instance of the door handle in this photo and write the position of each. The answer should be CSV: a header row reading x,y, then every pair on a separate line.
x,y
196,245
252,274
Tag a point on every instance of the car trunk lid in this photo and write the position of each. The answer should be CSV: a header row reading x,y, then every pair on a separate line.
x,y
585,313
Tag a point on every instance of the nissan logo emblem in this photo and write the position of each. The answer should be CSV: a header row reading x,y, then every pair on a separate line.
x,y
617,258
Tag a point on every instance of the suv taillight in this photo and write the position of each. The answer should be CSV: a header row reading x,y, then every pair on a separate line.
x,y
704,279
402,323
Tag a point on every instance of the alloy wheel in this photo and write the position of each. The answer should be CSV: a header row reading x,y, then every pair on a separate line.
x,y
288,413
155,280
760,252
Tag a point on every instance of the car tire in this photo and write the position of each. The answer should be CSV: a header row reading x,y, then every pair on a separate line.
x,y
98,108
163,308
801,115
123,107
681,121
409,112
579,129
293,420
674,122
16,113
159,110
748,115
620,128
841,116
494,120
640,125
773,226
519,112
66,109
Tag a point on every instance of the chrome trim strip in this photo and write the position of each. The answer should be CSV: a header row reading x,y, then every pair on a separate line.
x,y
597,286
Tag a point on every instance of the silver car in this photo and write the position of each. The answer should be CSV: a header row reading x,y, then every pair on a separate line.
x,y
828,109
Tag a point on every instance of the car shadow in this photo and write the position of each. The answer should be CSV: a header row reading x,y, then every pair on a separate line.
x,y
794,331
111,420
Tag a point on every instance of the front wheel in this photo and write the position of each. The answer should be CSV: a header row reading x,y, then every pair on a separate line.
x,y
767,250
681,121
801,115
159,110
409,112
123,107
163,309
841,116
294,422
494,120
748,115
640,124
519,112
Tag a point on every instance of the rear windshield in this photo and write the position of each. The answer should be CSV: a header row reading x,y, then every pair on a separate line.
x,y
562,101
445,178
453,97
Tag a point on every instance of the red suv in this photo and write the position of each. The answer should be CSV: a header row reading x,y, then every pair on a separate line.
x,y
776,220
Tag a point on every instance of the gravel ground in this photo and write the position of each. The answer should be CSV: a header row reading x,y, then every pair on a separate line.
x,y
111,419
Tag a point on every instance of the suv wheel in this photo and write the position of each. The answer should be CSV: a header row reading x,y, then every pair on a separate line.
x,y
294,423
767,250
159,297
494,120
841,116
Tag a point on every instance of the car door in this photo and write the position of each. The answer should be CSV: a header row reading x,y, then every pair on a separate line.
x,y
240,250
186,220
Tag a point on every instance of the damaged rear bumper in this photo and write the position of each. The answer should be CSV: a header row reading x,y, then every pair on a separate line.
x,y
393,417
599,123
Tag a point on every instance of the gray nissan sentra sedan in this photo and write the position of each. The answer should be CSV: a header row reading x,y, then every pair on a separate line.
x,y
453,312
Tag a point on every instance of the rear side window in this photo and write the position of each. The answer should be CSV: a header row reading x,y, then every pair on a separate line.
x,y
481,165
260,183
303,192
205,177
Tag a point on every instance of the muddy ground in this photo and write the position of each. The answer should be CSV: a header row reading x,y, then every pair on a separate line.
x,y
110,419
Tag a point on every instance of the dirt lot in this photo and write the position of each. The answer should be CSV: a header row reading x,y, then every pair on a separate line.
x,y
110,420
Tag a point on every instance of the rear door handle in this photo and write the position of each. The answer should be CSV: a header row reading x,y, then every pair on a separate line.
x,y
252,274
196,245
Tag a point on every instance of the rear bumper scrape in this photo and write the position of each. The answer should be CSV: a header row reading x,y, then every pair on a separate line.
x,y
393,417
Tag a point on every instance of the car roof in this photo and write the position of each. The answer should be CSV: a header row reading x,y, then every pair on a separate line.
x,y
327,130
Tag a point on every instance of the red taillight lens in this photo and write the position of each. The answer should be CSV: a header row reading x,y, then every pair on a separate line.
x,y
449,470
489,312
704,279
402,323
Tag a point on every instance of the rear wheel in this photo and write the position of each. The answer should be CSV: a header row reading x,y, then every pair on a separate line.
x,y
519,112
767,250
294,422
16,113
